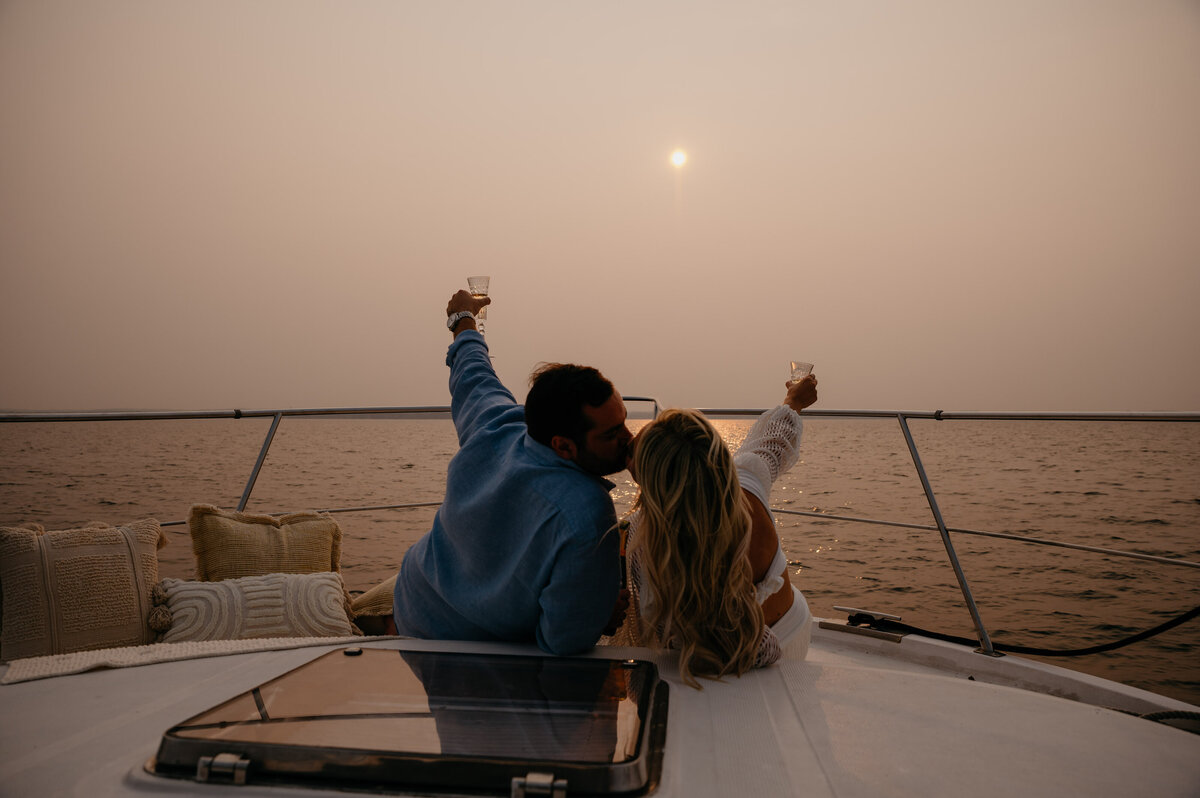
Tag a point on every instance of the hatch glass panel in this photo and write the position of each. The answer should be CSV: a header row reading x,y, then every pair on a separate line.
x,y
380,718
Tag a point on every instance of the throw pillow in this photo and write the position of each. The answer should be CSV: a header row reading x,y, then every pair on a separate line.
x,y
76,589
376,601
231,545
274,605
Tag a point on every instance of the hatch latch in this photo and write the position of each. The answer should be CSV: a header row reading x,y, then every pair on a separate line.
x,y
223,768
538,784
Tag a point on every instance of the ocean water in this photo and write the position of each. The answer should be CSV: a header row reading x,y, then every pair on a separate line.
x,y
1128,486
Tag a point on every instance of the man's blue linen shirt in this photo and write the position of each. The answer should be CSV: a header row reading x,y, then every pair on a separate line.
x,y
524,548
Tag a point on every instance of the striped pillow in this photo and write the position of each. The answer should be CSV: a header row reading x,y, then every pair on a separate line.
x,y
273,605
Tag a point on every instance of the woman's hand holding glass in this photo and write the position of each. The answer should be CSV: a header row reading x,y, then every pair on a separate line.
x,y
801,393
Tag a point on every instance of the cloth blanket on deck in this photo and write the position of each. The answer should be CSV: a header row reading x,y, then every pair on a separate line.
x,y
23,670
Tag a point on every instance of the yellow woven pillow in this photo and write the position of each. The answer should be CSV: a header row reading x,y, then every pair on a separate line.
x,y
376,601
77,589
274,605
230,545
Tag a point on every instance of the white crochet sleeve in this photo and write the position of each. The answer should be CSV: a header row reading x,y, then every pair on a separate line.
x,y
771,447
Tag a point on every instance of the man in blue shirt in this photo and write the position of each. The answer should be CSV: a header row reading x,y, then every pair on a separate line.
x,y
525,545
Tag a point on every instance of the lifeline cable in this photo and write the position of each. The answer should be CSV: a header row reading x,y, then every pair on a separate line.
x,y
884,625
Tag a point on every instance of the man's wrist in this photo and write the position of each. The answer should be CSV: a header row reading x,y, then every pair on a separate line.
x,y
455,320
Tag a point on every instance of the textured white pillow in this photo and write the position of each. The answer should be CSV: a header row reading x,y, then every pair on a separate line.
x,y
274,605
76,589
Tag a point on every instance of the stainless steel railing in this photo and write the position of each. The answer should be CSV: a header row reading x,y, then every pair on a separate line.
x,y
902,418
275,415
985,643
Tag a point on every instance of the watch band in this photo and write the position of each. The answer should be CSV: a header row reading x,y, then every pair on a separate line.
x,y
454,318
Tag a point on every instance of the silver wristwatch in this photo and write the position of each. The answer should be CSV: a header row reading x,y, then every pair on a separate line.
x,y
455,318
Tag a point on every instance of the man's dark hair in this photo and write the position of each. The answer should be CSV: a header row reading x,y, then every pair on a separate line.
x,y
557,394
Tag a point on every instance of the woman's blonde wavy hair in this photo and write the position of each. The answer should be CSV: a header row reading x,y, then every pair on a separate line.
x,y
692,544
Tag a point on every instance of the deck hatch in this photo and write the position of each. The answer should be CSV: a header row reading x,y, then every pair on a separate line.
x,y
385,719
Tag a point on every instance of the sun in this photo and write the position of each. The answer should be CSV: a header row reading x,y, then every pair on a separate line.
x,y
678,158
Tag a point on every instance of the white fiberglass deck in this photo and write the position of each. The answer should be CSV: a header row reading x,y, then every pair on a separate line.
x,y
855,718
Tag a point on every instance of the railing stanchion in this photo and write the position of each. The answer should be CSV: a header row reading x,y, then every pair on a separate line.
x,y
262,456
985,643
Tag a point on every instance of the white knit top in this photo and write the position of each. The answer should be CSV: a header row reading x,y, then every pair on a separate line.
x,y
772,446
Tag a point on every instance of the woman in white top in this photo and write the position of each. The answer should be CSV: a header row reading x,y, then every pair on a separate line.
x,y
707,574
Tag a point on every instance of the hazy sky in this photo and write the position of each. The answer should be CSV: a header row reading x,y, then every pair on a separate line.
x,y
960,205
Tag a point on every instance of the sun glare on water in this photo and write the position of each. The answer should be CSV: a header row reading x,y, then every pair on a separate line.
x,y
678,158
